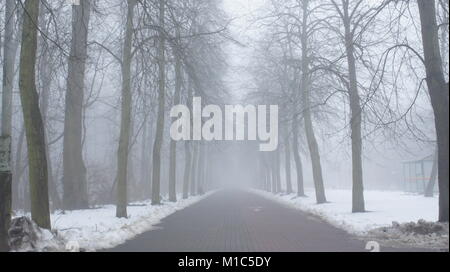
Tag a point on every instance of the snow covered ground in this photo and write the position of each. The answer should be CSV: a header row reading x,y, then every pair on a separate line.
x,y
384,208
95,229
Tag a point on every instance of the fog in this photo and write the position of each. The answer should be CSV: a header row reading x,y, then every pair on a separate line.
x,y
355,111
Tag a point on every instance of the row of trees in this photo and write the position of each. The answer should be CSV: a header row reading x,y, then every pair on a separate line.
x,y
165,51
325,60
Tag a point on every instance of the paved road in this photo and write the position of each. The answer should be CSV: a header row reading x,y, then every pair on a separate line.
x,y
231,221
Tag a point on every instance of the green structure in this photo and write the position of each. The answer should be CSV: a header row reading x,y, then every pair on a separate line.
x,y
417,174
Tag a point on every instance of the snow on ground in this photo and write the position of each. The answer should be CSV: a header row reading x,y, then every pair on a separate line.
x,y
384,208
422,234
95,229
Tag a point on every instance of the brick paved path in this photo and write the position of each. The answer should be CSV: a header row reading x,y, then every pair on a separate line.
x,y
230,221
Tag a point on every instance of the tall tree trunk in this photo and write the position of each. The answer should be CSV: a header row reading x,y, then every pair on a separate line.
x,y
287,152
37,158
205,166
269,174
306,98
173,144
125,121
129,184
46,80
201,168
188,146
265,168
194,170
278,171
74,176
266,176
358,204
295,128
260,174
273,171
298,159
18,171
144,160
9,55
44,103
438,90
156,178
187,169
207,180
147,165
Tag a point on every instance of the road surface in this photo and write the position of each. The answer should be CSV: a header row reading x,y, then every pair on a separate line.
x,y
235,221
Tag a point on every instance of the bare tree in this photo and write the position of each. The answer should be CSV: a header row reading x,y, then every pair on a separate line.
x,y
306,98
438,90
173,144
194,170
156,178
9,55
74,176
45,70
125,123
356,18
297,159
287,160
37,158
189,158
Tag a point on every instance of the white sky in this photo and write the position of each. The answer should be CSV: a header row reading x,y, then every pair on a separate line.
x,y
243,13
244,29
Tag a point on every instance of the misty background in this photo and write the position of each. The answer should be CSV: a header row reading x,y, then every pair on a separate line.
x,y
348,77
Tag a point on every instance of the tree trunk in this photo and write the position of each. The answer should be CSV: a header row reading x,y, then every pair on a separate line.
x,y
5,138
205,166
207,181
156,178
146,164
298,159
269,174
37,159
278,171
261,173
287,152
54,195
267,179
5,191
18,171
358,204
173,144
295,128
144,161
187,169
46,80
309,130
194,170
201,169
188,147
125,121
438,90
265,162
74,176
273,171
270,180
